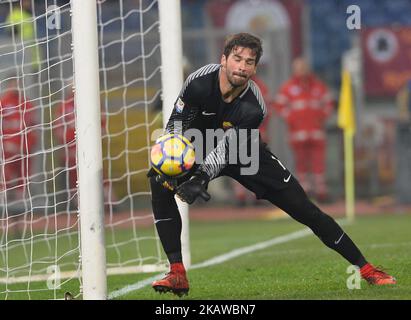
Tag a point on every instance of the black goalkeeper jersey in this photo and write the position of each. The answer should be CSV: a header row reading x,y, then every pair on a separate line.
x,y
201,106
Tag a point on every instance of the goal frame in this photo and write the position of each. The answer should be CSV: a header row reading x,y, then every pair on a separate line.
x,y
89,149
88,131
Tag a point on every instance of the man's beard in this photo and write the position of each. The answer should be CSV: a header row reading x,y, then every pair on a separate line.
x,y
237,82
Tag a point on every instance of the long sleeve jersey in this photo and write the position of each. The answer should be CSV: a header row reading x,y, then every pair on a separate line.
x,y
201,106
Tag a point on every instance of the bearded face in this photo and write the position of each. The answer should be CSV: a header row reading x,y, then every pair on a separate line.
x,y
239,66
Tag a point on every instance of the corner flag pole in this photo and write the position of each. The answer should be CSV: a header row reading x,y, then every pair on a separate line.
x,y
349,175
346,121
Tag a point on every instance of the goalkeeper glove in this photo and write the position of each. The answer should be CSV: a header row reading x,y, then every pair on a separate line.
x,y
193,188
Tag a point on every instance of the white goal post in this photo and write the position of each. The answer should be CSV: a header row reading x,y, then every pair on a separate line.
x,y
89,148
68,219
172,81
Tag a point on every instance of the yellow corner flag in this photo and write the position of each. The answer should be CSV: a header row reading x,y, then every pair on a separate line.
x,y
346,115
346,121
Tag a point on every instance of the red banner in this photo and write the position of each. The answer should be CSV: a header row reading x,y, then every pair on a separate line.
x,y
387,60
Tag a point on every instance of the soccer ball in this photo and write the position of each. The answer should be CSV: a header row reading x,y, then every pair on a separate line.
x,y
172,155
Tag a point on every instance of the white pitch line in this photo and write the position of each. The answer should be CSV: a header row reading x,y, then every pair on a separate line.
x,y
133,287
249,249
218,259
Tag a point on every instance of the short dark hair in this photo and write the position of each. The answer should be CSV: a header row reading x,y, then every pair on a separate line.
x,y
245,40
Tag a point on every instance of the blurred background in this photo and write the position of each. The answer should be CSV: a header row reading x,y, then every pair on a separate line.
x,y
318,31
379,53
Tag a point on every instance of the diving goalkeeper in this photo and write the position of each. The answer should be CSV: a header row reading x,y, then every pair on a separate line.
x,y
223,96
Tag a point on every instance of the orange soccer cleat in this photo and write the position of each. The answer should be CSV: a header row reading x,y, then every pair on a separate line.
x,y
376,276
175,281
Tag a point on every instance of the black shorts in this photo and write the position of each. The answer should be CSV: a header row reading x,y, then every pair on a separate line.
x,y
271,176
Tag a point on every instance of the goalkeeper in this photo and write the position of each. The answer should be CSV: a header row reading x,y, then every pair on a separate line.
x,y
223,96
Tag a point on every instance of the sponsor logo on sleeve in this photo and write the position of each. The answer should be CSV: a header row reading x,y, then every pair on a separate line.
x,y
179,105
227,125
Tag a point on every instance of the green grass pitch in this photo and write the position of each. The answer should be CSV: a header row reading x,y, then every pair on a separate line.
x,y
299,269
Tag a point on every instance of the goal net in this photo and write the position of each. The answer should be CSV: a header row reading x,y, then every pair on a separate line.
x,y
40,254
